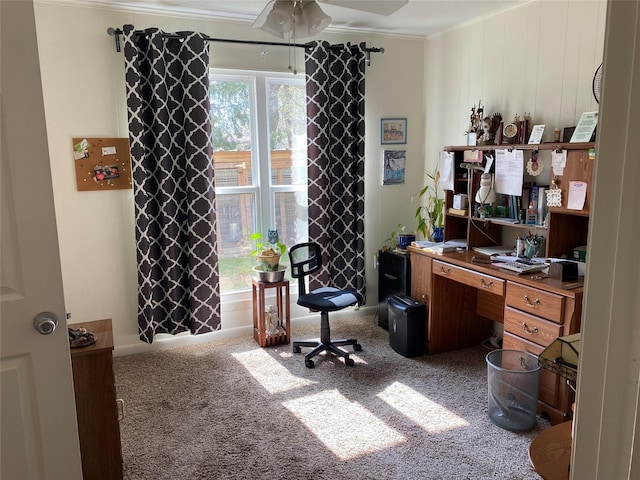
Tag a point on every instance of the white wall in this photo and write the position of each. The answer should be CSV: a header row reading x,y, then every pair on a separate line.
x,y
84,94
538,58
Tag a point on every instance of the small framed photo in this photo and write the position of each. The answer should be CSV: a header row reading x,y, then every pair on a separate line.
x,y
393,131
394,163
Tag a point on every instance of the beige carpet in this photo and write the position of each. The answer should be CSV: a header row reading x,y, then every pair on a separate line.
x,y
233,410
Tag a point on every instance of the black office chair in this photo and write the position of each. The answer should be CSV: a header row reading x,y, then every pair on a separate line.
x,y
306,258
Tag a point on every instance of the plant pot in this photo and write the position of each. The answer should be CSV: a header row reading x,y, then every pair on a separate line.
x,y
437,235
405,239
268,263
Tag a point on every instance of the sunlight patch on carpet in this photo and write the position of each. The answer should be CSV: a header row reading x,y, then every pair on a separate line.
x,y
346,428
429,415
271,374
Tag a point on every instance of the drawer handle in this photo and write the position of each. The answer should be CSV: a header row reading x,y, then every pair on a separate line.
x,y
120,403
488,284
529,303
424,297
530,331
445,271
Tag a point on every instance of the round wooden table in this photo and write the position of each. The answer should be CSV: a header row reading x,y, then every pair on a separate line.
x,y
550,452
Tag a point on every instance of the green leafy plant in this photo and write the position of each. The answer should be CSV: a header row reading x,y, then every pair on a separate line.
x,y
430,215
391,242
259,247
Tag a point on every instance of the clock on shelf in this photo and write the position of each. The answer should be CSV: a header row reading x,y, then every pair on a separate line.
x,y
510,133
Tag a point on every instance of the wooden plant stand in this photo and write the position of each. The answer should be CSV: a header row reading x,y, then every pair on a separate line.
x,y
282,307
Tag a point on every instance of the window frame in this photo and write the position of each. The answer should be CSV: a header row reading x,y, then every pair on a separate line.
x,y
262,189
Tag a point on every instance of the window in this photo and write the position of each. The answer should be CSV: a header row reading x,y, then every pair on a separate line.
x,y
259,156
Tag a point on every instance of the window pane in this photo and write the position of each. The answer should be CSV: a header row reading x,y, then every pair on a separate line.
x,y
291,217
230,115
236,216
287,133
233,169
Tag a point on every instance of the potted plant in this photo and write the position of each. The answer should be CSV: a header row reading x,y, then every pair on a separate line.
x,y
398,239
267,255
430,215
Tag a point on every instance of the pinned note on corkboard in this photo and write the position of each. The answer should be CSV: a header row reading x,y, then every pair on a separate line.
x,y
102,163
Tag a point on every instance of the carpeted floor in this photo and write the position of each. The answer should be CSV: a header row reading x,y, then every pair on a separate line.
x,y
233,410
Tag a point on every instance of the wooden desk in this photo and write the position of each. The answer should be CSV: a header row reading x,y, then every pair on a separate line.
x,y
464,298
550,452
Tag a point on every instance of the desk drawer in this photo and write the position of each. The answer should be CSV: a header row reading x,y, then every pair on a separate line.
x,y
486,283
534,301
531,328
549,382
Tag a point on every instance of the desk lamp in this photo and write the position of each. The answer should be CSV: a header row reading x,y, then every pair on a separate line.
x,y
485,194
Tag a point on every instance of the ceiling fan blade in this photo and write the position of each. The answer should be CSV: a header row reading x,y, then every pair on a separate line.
x,y
262,18
385,8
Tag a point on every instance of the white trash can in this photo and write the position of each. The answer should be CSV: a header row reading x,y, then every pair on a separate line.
x,y
513,378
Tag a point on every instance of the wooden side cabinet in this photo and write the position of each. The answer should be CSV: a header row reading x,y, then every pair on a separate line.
x,y
96,405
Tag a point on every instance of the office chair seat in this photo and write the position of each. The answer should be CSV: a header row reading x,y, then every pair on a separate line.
x,y
306,258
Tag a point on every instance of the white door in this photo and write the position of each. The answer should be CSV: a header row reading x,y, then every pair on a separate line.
x,y
39,432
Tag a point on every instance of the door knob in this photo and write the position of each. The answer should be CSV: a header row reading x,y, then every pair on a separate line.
x,y
45,322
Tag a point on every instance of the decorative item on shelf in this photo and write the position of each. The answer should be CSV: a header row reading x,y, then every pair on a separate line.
x,y
510,132
431,216
523,128
268,256
487,136
474,132
554,194
496,128
534,167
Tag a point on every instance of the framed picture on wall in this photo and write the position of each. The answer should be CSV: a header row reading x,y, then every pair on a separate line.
x,y
394,163
393,130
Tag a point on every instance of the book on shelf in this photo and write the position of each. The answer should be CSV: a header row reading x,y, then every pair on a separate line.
x,y
462,212
542,204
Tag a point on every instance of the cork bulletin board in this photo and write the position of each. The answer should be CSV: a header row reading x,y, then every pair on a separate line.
x,y
102,163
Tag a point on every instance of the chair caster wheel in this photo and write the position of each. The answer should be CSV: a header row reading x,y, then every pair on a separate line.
x,y
349,362
309,363
296,349
357,347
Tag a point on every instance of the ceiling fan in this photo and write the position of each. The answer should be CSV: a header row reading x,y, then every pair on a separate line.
x,y
305,18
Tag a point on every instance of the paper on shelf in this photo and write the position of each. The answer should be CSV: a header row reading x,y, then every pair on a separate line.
x,y
509,171
446,170
558,161
577,195
585,128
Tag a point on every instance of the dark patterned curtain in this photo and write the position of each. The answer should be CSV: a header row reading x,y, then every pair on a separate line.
x,y
335,150
170,137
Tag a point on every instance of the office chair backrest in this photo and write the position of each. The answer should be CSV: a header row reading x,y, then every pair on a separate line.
x,y
306,258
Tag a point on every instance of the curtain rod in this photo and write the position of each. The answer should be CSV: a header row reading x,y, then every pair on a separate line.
x,y
116,32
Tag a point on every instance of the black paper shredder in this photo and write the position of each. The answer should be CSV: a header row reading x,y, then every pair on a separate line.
x,y
407,326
